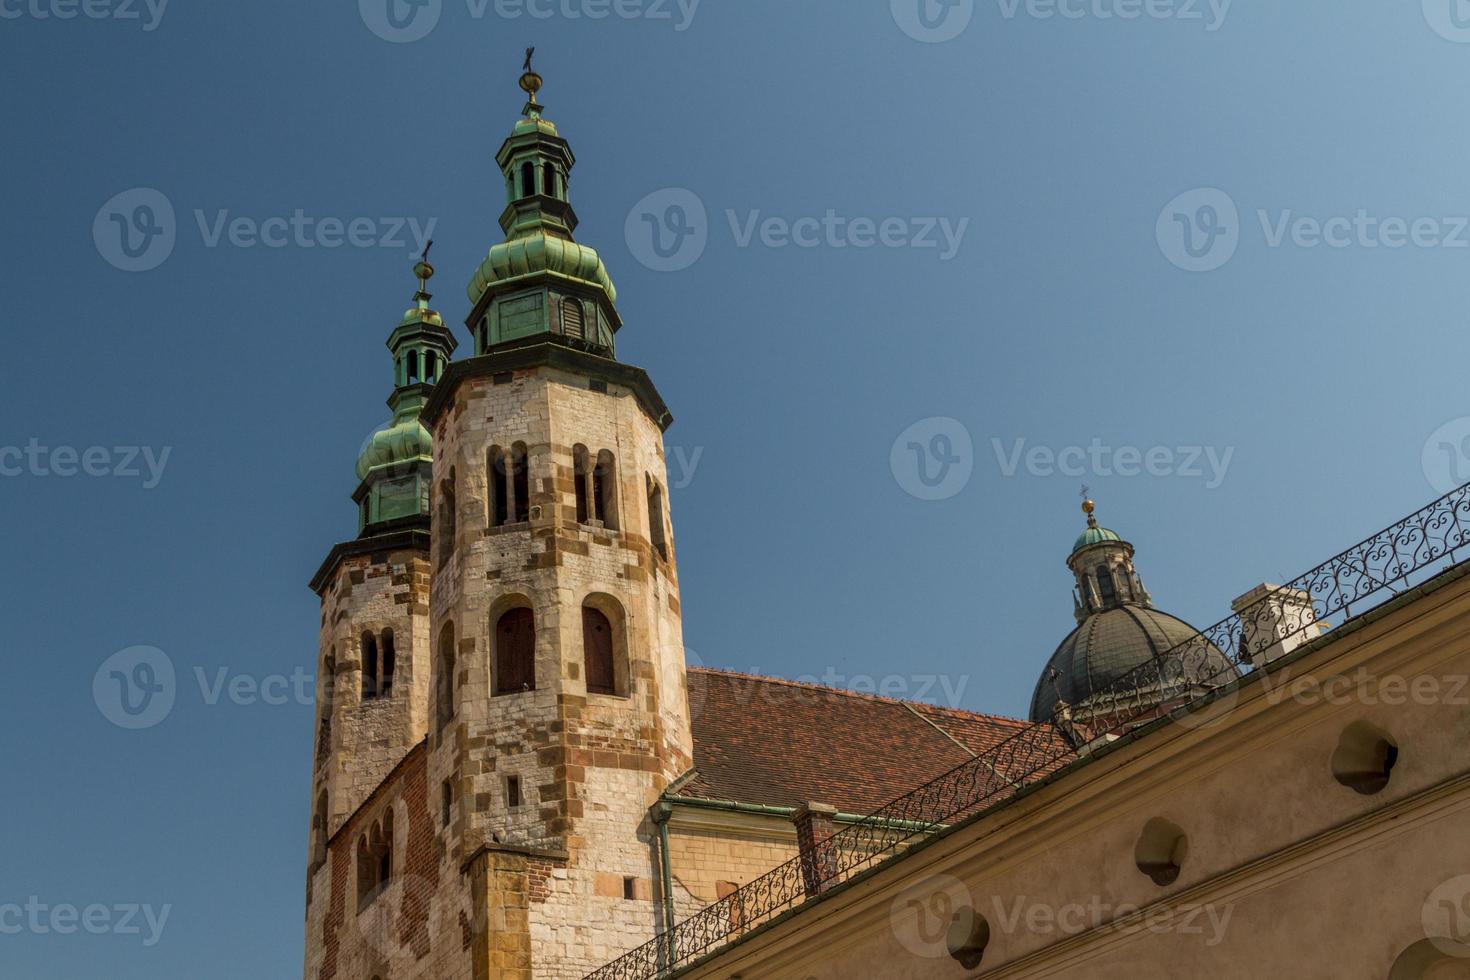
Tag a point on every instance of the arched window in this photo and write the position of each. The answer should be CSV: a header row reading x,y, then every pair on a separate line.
x,y
580,479
1105,585
445,529
528,179
597,651
520,482
605,490
444,693
515,652
571,319
366,872
387,662
499,496
548,180
413,367
656,519
385,849
431,366
369,666
326,693
319,832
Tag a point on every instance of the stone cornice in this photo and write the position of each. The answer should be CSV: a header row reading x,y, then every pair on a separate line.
x,y
547,355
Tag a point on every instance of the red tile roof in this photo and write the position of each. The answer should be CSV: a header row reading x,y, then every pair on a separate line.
x,y
780,743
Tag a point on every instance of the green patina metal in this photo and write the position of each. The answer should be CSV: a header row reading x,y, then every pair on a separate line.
x,y
540,282
396,464
1092,536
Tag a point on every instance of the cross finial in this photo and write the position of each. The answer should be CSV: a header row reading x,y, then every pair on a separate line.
x,y
424,271
530,83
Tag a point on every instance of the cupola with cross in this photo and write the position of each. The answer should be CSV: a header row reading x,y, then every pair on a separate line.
x,y
1121,646
539,284
395,463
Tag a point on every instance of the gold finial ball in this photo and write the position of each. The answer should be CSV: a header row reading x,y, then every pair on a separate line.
x,y
531,83
423,270
1088,507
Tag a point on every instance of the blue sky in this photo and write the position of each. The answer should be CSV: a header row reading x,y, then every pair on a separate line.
x,y
1314,157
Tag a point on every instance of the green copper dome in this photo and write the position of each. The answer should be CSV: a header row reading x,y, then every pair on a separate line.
x,y
540,252
1092,536
404,441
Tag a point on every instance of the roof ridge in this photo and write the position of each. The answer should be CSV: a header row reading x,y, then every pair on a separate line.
x,y
846,692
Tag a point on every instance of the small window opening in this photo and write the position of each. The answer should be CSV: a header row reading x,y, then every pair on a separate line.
x,y
446,802
499,513
521,477
579,479
528,179
630,888
369,667
656,520
387,663
512,791
604,490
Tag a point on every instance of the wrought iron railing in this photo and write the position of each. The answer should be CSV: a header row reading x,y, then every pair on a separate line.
x,y
1375,570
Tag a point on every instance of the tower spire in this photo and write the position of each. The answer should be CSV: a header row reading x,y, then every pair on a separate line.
x,y
394,465
540,285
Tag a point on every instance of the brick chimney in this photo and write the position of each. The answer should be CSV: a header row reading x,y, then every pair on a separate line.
x,y
815,825
1275,621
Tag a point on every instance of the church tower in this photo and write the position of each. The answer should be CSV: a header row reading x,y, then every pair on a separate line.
x,y
373,662
559,710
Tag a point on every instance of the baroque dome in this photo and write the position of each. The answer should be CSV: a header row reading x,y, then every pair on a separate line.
x,y
1107,646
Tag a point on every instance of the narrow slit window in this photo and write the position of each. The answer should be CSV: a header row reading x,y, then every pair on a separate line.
x,y
604,490
498,491
521,475
387,662
656,520
369,667
579,478
512,792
